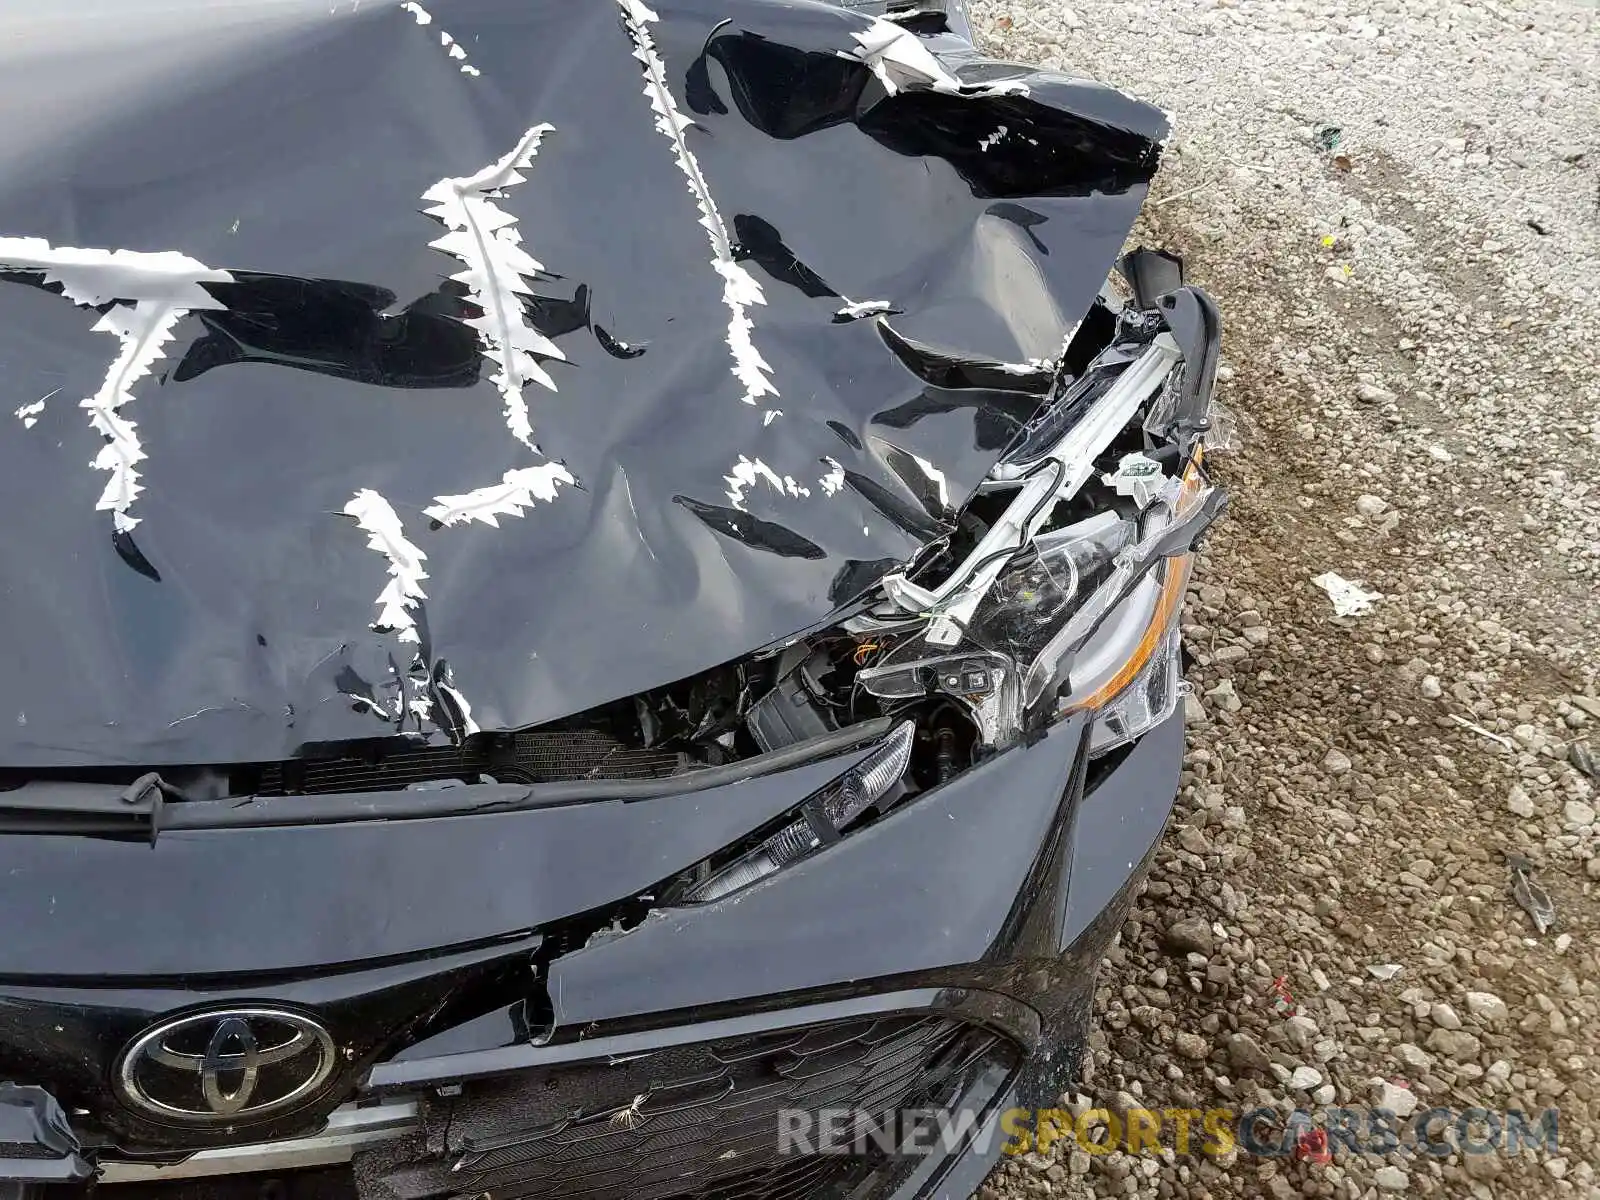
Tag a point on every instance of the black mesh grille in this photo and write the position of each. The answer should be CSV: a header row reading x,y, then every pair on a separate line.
x,y
30,1150
536,756
698,1122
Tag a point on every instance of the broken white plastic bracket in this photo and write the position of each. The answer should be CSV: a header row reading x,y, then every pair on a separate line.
x,y
953,603
1138,477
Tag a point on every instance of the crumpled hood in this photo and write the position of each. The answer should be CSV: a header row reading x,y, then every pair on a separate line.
x,y
430,369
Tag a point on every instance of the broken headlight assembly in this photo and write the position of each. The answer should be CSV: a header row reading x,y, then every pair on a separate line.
x,y
1068,599
1057,594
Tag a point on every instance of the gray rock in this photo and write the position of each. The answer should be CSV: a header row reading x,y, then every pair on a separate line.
x,y
1246,1054
1191,1046
1455,1044
1401,1101
1303,1079
1517,801
1301,1031
1488,1007
1190,936
1414,1058
1391,1179
1336,762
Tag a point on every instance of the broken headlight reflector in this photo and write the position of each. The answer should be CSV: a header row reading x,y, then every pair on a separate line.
x,y
822,818
1086,622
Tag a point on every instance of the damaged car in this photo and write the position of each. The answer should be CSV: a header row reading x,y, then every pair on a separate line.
x,y
585,583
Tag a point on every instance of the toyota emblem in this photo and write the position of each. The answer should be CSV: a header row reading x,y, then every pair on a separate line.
x,y
225,1067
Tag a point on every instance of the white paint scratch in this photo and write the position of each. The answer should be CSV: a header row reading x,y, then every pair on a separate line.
x,y
740,290
993,139
902,63
1032,366
748,470
834,479
517,490
452,47
149,294
385,534
937,477
485,238
28,414
468,725
854,310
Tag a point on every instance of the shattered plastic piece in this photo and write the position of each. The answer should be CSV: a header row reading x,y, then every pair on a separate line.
x,y
745,473
377,519
740,290
517,490
485,238
148,294
1479,729
1329,136
1349,599
1138,477
1528,892
1383,971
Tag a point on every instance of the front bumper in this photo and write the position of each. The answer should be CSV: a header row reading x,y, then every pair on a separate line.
x,y
942,958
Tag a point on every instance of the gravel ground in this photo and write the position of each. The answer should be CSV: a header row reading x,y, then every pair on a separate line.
x,y
1412,351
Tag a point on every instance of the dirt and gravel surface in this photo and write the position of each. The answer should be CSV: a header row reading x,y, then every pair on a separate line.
x,y
1397,204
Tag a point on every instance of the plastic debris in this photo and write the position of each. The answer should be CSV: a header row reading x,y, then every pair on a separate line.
x,y
1349,599
1312,1146
1582,760
1383,971
1479,729
1282,998
1525,888
1328,137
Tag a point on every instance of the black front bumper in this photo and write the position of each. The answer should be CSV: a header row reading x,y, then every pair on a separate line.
x,y
942,958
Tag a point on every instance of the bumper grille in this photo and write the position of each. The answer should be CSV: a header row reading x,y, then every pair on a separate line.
x,y
533,756
699,1122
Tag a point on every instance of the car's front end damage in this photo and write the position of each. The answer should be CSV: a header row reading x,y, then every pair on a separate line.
x,y
780,736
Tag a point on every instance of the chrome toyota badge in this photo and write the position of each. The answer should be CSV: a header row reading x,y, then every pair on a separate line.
x,y
225,1067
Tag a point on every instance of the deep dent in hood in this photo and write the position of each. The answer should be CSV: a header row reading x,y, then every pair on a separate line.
x,y
404,369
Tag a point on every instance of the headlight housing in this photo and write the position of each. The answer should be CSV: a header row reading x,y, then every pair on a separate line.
x,y
1070,600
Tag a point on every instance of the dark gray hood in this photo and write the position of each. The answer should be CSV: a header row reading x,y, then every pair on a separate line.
x,y
746,265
